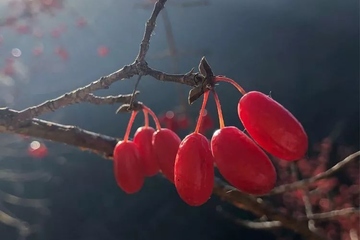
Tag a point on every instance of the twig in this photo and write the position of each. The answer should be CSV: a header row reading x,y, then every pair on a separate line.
x,y
76,96
249,224
326,174
260,208
67,134
11,176
150,26
25,202
10,219
334,213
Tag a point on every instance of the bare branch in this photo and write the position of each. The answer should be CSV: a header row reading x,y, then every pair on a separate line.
x,y
260,208
334,214
67,134
77,95
249,224
9,219
150,26
11,176
25,202
326,174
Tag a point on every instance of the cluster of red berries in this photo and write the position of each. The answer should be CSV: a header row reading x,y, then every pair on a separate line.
x,y
241,159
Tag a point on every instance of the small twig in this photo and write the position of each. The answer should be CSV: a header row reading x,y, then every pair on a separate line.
x,y
326,174
131,102
305,197
11,176
150,26
10,219
25,202
334,214
249,224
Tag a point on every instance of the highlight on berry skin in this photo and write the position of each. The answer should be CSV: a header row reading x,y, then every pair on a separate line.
x,y
194,165
270,124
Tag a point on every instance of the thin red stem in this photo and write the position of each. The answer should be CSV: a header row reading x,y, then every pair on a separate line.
x,y
229,80
146,117
153,115
199,121
218,107
128,129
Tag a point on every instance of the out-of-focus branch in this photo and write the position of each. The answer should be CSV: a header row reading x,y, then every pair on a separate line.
x,y
334,214
258,207
326,174
11,176
24,202
265,225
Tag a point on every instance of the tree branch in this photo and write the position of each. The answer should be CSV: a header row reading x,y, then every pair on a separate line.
x,y
326,174
25,202
265,225
11,176
260,208
334,213
150,26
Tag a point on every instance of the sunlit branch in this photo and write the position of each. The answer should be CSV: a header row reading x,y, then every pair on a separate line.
x,y
25,202
326,174
249,224
334,214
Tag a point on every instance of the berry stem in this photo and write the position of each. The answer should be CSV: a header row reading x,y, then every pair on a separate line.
x,y
199,121
146,117
131,121
153,115
218,107
229,80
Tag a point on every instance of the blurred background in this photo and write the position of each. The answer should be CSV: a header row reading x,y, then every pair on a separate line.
x,y
306,53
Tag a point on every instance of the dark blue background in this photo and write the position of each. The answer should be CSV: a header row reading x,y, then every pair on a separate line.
x,y
305,52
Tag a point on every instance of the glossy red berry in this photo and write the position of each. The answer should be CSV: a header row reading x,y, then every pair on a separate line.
x,y
37,150
143,140
166,144
194,170
128,168
242,162
272,126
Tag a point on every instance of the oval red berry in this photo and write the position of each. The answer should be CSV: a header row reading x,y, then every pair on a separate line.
x,y
143,140
128,169
194,170
242,162
166,144
272,126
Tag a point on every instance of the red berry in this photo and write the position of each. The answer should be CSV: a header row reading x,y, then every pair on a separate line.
x,y
194,170
166,144
37,149
170,121
272,126
102,51
143,140
241,162
128,169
